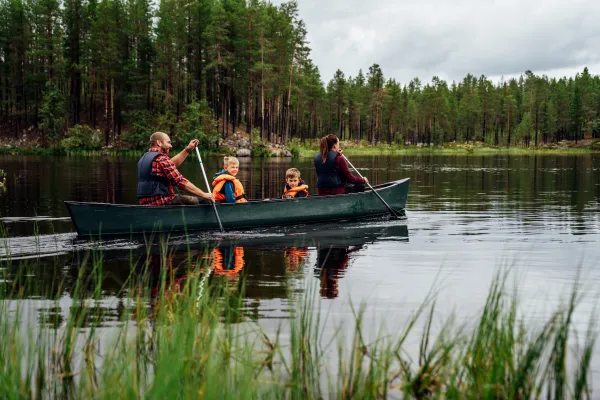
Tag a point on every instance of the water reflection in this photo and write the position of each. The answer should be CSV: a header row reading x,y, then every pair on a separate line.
x,y
295,258
332,262
228,261
269,265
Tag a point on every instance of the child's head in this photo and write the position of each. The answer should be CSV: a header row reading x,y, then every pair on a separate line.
x,y
231,165
292,177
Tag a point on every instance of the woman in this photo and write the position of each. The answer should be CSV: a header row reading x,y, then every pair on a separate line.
x,y
332,169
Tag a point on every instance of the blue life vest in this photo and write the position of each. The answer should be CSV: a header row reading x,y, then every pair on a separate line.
x,y
327,174
148,184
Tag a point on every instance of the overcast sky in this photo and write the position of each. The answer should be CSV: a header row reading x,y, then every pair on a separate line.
x,y
450,38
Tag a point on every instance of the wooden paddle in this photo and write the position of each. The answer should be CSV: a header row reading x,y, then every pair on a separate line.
x,y
208,187
393,213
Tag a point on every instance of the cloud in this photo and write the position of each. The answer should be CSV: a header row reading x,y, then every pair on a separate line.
x,y
449,39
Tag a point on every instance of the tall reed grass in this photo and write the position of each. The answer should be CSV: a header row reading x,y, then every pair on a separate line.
x,y
188,338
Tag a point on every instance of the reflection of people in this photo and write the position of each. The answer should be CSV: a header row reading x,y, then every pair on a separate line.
x,y
176,268
228,261
294,185
294,258
333,175
173,278
332,262
157,174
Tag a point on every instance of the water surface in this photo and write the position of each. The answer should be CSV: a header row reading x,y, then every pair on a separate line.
x,y
466,216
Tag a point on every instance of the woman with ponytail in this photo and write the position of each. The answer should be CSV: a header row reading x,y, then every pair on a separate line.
x,y
332,170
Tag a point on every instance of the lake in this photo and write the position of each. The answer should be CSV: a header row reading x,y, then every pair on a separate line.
x,y
466,217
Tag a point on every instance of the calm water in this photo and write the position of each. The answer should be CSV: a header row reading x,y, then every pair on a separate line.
x,y
465,217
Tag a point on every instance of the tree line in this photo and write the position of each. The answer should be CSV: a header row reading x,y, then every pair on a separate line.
x,y
205,68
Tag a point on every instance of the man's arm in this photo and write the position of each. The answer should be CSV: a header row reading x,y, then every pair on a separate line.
x,y
176,179
178,159
190,187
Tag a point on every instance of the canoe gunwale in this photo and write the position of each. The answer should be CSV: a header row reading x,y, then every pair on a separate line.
x,y
379,188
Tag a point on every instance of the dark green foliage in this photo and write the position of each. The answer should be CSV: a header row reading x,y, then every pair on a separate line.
x,y
140,126
52,111
248,64
81,137
198,122
260,150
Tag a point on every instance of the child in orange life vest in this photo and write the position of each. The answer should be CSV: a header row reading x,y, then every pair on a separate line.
x,y
294,186
226,187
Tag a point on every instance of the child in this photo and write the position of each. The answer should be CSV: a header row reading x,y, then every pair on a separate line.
x,y
294,186
226,187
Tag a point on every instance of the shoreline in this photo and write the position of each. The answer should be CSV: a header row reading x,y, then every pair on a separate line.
x,y
309,149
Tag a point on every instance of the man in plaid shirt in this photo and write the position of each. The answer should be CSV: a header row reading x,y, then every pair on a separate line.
x,y
157,174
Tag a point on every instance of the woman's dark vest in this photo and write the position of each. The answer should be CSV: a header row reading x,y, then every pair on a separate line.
x,y
327,175
148,184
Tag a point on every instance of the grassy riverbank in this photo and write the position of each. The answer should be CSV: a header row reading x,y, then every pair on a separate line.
x,y
309,148
186,339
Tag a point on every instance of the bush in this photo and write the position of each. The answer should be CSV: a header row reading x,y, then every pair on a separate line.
x,y
260,150
52,111
140,126
255,136
295,146
82,137
198,123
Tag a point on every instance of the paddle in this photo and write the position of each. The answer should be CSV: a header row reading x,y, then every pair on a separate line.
x,y
208,187
393,213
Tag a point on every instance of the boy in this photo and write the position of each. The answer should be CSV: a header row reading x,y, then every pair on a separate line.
x,y
226,187
294,186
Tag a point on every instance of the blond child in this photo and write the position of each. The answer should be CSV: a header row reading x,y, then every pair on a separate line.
x,y
226,187
294,185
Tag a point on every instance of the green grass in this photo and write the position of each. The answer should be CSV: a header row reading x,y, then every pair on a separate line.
x,y
192,341
309,149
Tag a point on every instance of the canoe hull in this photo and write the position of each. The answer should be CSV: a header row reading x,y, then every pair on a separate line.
x,y
102,219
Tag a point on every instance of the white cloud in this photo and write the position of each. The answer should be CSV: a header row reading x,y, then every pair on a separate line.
x,y
452,38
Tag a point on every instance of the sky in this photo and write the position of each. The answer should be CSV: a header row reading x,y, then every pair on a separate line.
x,y
450,38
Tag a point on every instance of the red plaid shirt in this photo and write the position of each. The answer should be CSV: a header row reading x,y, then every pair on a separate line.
x,y
163,166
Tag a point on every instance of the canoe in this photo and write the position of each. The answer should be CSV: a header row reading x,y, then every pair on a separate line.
x,y
104,219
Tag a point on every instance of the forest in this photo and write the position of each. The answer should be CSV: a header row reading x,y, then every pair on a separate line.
x,y
85,73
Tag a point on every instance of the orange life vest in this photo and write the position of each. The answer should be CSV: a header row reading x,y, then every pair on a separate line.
x,y
238,262
294,258
291,193
238,189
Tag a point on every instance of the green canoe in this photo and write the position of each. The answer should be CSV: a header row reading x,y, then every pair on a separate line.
x,y
103,219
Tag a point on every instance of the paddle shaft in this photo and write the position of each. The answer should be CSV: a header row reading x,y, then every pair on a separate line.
x,y
371,187
208,187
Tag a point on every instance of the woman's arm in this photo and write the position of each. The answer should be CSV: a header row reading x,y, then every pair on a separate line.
x,y
342,167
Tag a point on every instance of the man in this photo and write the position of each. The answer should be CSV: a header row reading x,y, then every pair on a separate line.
x,y
157,174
